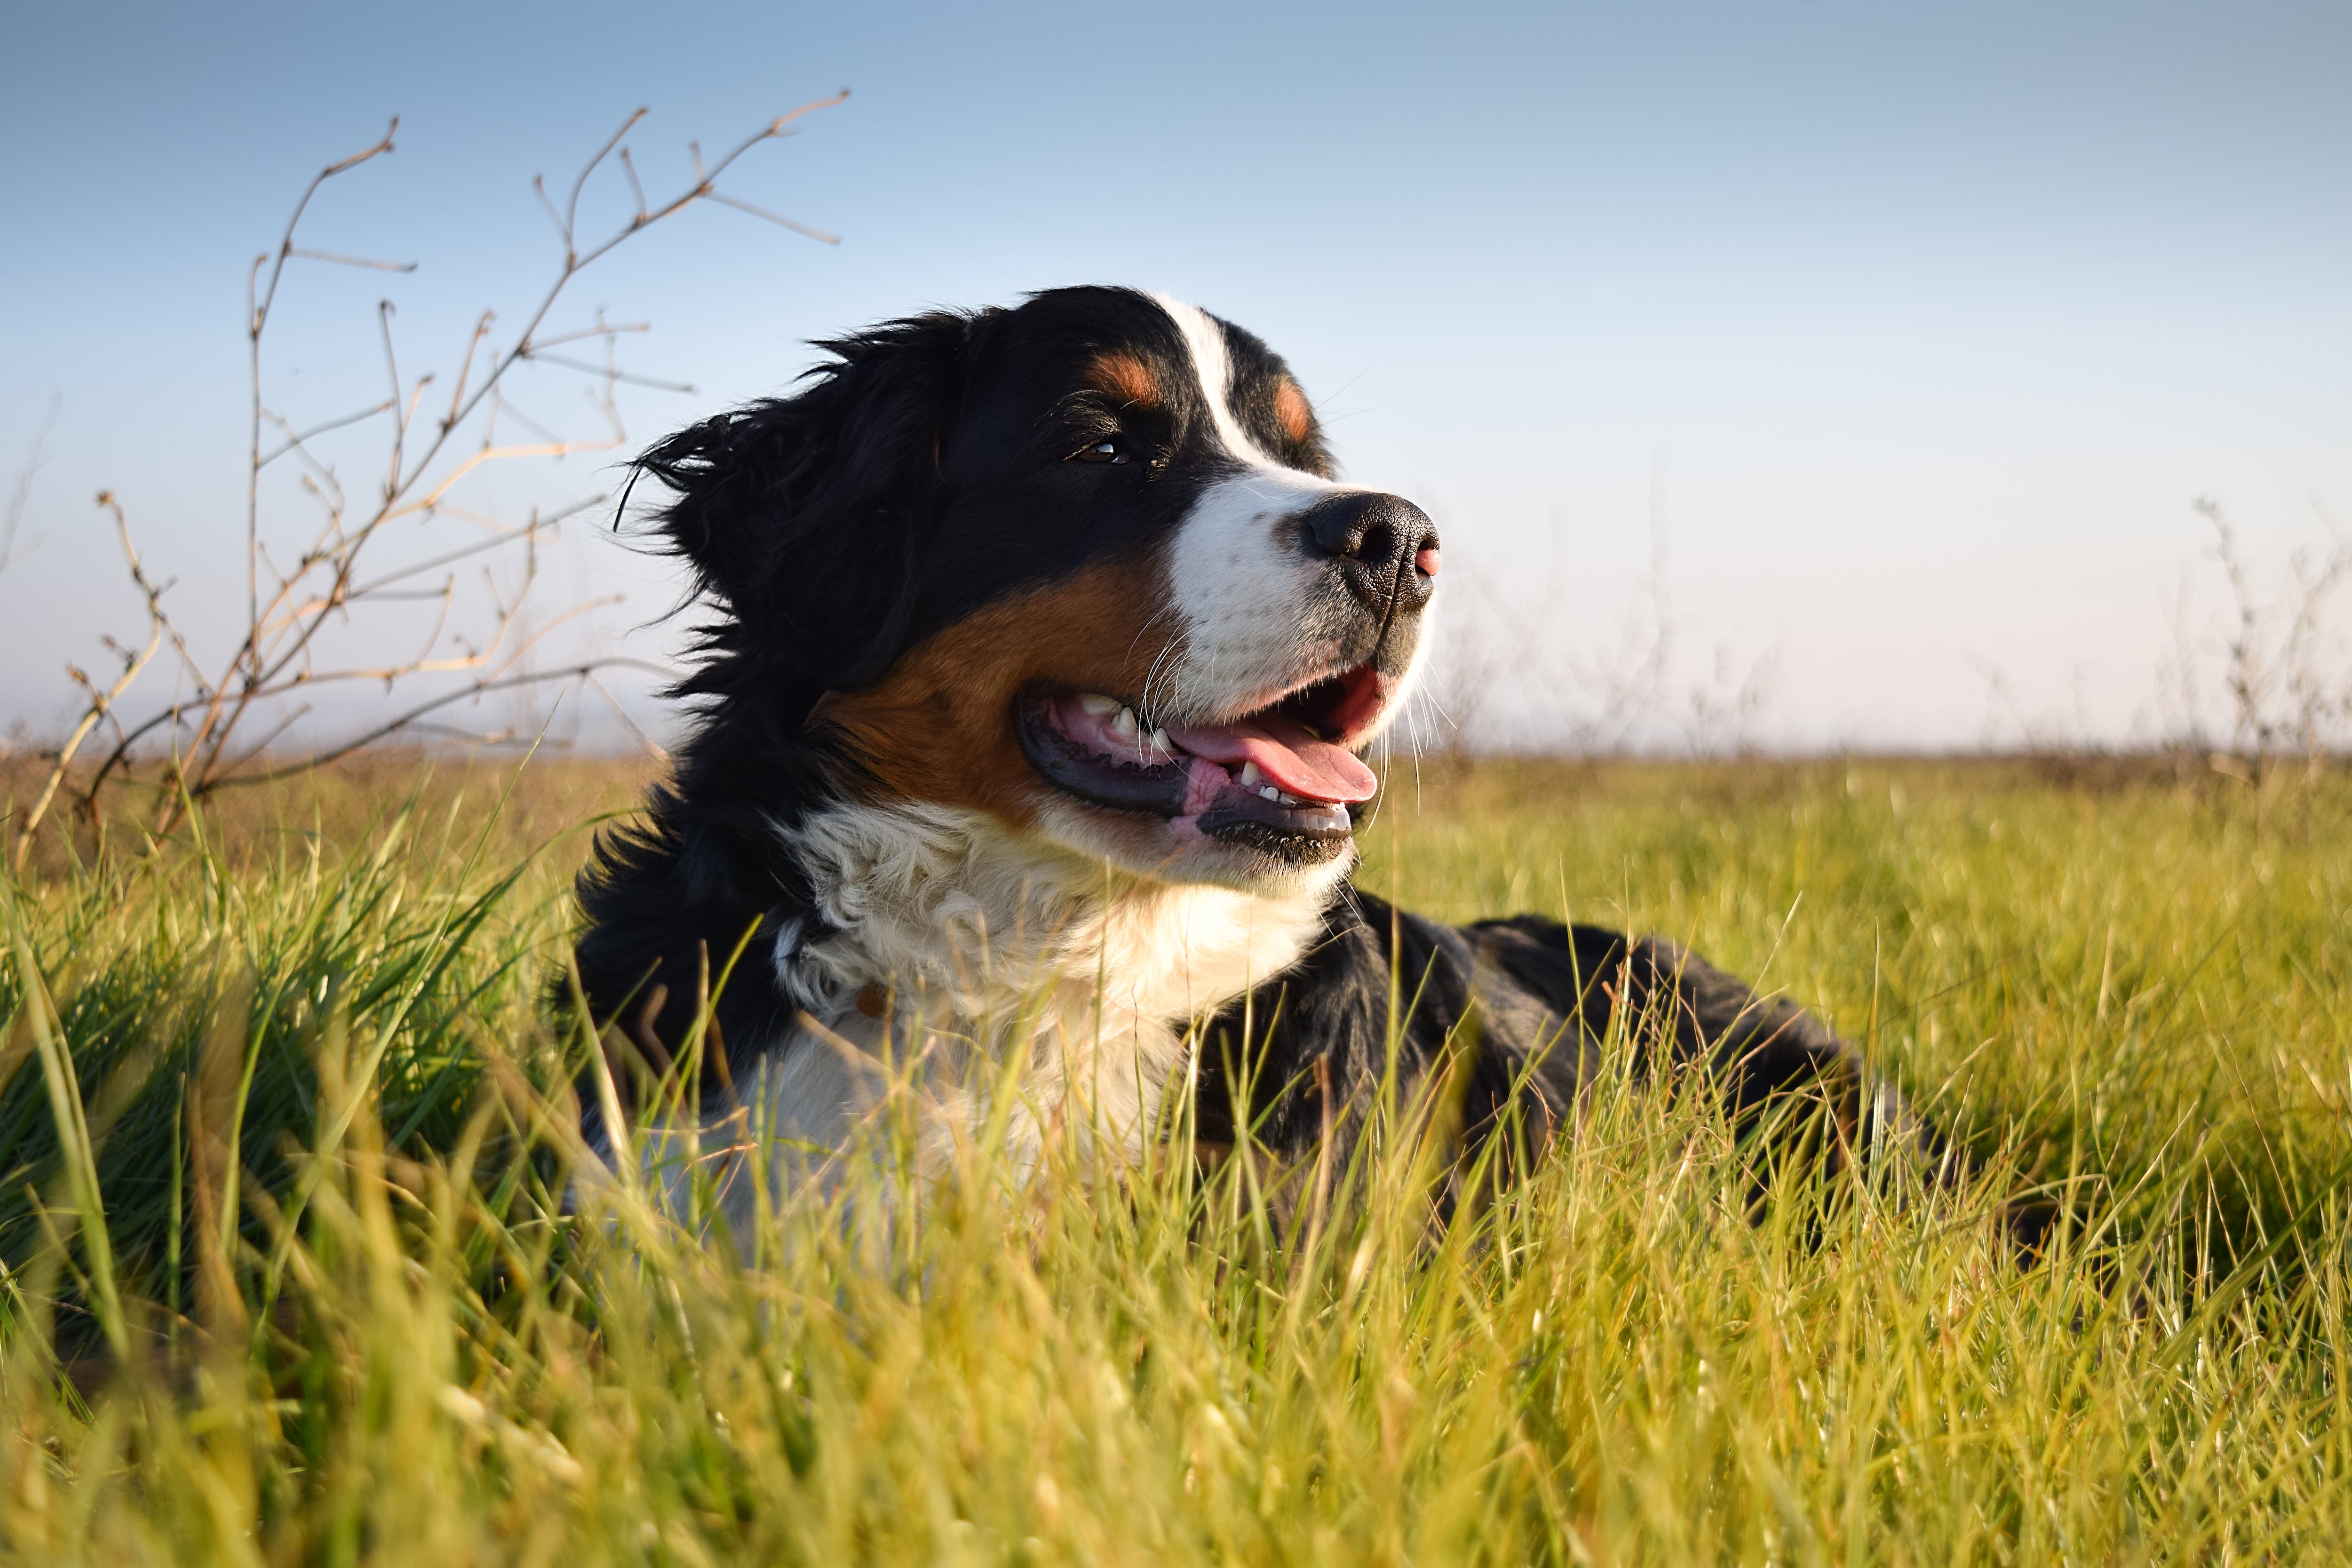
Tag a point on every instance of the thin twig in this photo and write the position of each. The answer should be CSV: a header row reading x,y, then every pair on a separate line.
x,y
394,726
724,200
608,373
256,318
295,440
466,365
343,260
101,703
280,652
23,494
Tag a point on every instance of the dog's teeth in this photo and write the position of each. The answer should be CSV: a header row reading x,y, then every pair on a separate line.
x,y
1095,703
1125,724
1250,775
1269,793
1158,740
1288,798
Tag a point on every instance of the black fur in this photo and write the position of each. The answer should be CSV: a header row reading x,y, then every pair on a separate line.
x,y
918,475
914,476
1514,1016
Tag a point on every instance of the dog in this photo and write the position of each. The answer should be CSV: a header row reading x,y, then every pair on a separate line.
x,y
1045,646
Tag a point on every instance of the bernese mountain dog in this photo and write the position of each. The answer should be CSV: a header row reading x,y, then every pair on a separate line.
x,y
1045,646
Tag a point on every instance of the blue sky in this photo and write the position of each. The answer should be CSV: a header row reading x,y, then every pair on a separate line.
x,y
1911,331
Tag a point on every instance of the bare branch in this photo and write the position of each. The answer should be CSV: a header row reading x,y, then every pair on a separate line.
x,y
298,602
473,460
539,185
375,588
260,313
513,411
343,260
653,747
575,261
262,746
257,317
101,703
599,331
572,207
396,725
608,373
383,314
629,167
466,366
724,200
23,494
294,440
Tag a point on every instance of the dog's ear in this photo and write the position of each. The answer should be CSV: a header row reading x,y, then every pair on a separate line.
x,y
805,519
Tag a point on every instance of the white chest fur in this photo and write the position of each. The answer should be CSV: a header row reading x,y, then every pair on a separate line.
x,y
984,984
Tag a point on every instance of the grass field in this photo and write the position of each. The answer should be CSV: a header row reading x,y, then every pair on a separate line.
x,y
288,1279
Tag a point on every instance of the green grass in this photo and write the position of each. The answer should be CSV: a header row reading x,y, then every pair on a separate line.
x,y
385,1339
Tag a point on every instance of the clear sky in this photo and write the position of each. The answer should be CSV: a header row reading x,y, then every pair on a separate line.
x,y
1912,330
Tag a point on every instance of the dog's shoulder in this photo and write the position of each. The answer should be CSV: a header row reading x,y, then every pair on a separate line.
x,y
1524,1005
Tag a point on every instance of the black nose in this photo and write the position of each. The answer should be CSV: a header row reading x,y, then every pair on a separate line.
x,y
1386,547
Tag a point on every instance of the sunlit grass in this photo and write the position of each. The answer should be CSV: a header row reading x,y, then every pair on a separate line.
x,y
388,1338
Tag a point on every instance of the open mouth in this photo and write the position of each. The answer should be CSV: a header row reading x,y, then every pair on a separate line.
x,y
1281,777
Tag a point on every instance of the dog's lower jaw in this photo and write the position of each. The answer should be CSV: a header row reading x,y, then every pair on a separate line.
x,y
1010,966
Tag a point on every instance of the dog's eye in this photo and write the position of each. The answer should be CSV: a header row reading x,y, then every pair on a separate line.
x,y
1101,452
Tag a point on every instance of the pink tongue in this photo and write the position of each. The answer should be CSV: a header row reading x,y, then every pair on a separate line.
x,y
1286,753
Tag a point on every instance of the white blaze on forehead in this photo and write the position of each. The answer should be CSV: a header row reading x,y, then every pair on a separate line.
x,y
1242,581
1261,614
1212,367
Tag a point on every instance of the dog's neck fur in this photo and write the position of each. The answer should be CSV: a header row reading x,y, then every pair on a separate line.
x,y
985,944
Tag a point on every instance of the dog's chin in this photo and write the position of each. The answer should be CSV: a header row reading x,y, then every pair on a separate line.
x,y
1261,802
1269,864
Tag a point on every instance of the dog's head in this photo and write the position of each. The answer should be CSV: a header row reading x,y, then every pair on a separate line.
x,y
1080,564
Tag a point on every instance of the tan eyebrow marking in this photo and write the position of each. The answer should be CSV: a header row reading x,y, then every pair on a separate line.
x,y
1291,410
1127,378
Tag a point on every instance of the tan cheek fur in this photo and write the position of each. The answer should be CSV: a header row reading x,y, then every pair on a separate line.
x,y
938,726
